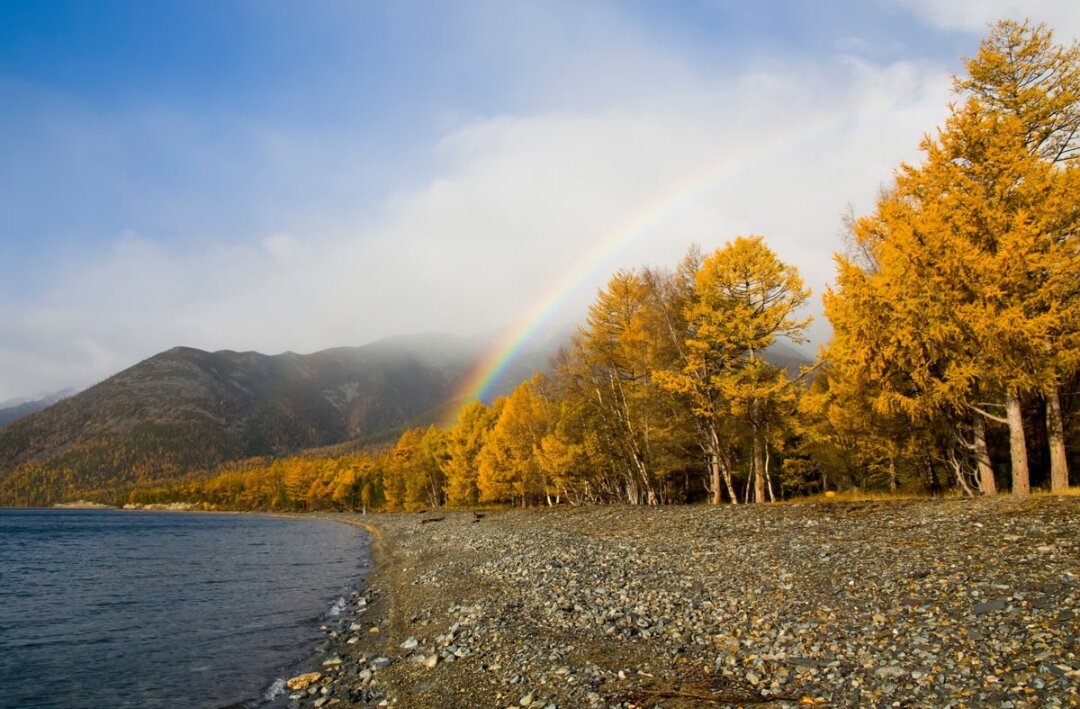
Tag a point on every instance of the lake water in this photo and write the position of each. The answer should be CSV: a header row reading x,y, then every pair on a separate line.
x,y
103,608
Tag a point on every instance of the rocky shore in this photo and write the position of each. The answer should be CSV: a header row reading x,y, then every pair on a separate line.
x,y
950,603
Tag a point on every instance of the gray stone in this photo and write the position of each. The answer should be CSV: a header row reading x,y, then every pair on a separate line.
x,y
890,671
989,607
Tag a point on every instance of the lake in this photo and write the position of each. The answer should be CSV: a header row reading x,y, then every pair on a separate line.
x,y
110,608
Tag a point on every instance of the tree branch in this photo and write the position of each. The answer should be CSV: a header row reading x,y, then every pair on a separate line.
x,y
988,415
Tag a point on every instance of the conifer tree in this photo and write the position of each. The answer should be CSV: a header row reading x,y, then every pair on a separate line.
x,y
967,300
1020,72
509,469
464,443
743,299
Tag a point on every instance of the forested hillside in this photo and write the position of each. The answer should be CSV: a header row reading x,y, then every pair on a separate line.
x,y
186,410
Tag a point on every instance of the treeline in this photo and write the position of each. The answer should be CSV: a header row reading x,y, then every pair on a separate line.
x,y
287,484
956,319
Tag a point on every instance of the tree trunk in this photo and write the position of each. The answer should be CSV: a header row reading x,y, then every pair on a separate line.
x,y
930,480
759,472
717,469
893,483
1021,482
727,481
987,484
714,469
1055,433
768,478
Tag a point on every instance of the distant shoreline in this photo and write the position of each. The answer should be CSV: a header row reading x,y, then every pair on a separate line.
x,y
82,505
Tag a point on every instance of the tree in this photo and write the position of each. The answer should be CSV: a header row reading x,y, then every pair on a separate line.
x,y
401,489
619,350
965,294
427,483
509,469
743,299
463,445
1021,73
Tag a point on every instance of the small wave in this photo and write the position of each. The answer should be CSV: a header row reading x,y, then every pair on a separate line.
x,y
275,691
338,608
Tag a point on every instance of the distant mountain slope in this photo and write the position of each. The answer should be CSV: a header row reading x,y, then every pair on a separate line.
x,y
788,357
13,411
185,409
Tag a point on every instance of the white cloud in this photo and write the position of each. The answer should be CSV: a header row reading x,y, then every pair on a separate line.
x,y
975,15
522,201
281,246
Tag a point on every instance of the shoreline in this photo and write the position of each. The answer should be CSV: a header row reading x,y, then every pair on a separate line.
x,y
975,602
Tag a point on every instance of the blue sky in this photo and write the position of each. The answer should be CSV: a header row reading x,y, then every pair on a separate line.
x,y
294,176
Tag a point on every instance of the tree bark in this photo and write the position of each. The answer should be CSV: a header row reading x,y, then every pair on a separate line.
x,y
727,482
759,472
930,480
987,484
718,470
1021,482
768,478
714,470
1055,433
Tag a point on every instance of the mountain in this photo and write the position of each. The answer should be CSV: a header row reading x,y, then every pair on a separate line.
x,y
15,409
185,409
790,358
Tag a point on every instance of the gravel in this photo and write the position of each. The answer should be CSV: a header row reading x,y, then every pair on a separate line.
x,y
945,603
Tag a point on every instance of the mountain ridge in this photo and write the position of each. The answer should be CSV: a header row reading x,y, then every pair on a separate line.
x,y
15,409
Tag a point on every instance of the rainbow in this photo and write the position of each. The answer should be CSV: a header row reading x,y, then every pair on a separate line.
x,y
686,191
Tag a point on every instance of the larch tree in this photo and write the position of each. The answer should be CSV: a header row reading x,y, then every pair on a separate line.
x,y
399,471
427,482
743,299
621,347
673,296
968,299
584,453
922,317
509,469
1021,72
464,442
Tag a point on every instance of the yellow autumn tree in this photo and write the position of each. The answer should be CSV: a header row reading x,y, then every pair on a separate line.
x,y
1020,72
619,350
399,471
464,442
965,302
743,299
509,469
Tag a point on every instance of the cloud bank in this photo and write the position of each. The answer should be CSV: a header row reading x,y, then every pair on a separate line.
x,y
518,200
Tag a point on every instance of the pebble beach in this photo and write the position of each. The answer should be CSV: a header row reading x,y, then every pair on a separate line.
x,y
942,603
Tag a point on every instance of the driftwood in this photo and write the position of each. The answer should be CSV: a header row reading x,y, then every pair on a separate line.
x,y
432,519
713,697
477,516
715,690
